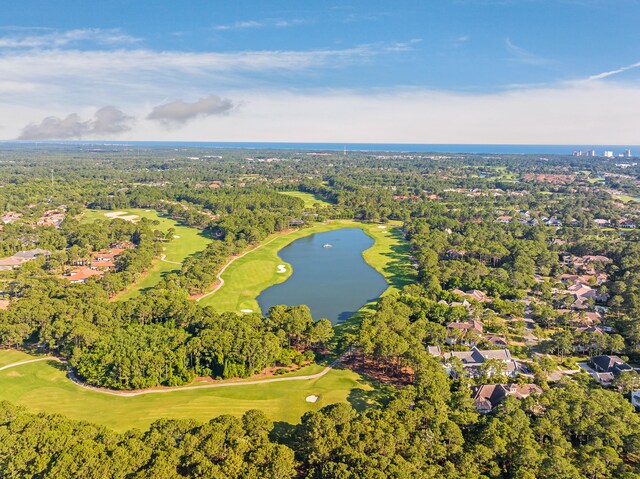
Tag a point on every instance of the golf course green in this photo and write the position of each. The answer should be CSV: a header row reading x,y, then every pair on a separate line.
x,y
187,241
43,386
310,200
248,275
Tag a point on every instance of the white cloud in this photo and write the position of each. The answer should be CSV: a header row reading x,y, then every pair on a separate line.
x,y
71,78
603,75
125,66
579,113
107,122
267,23
39,82
524,56
179,112
35,38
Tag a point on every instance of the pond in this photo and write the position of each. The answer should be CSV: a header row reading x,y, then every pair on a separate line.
x,y
329,275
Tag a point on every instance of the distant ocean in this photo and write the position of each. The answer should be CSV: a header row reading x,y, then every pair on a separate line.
x,y
382,147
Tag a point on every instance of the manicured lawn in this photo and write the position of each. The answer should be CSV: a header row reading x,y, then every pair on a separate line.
x,y
249,275
10,356
43,386
626,198
309,199
189,241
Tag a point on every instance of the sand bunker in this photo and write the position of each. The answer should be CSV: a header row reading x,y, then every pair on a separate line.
x,y
382,227
312,398
113,214
122,215
176,236
246,310
282,268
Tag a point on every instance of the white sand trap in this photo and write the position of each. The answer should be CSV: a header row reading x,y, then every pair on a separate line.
x,y
382,227
147,211
246,310
114,214
122,215
312,398
281,268
176,236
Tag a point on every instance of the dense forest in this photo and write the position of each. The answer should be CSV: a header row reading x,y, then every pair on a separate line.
x,y
430,430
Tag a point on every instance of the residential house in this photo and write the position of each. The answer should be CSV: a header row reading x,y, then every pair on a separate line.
x,y
596,259
32,254
529,221
105,258
553,221
51,218
626,223
497,340
583,293
477,295
7,264
465,331
505,219
10,217
473,359
472,294
21,257
607,368
434,351
487,396
82,274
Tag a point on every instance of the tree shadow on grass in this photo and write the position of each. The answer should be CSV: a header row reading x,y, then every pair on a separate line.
x,y
399,268
378,396
59,365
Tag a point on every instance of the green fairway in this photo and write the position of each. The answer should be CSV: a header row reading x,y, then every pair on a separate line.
x,y
43,386
249,275
626,198
310,200
186,242
10,356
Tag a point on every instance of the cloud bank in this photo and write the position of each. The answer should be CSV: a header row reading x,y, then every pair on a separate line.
x,y
179,112
107,121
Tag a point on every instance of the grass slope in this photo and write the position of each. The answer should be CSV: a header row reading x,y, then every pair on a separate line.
x,y
249,275
190,242
310,199
10,356
43,386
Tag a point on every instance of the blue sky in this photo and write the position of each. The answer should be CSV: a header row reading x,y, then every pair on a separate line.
x,y
447,71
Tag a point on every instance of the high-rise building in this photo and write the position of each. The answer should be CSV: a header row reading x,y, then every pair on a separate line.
x,y
607,154
627,153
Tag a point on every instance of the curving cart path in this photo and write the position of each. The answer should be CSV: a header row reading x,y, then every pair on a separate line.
x,y
76,381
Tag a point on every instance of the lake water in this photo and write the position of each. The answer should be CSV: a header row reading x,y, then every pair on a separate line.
x,y
334,282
